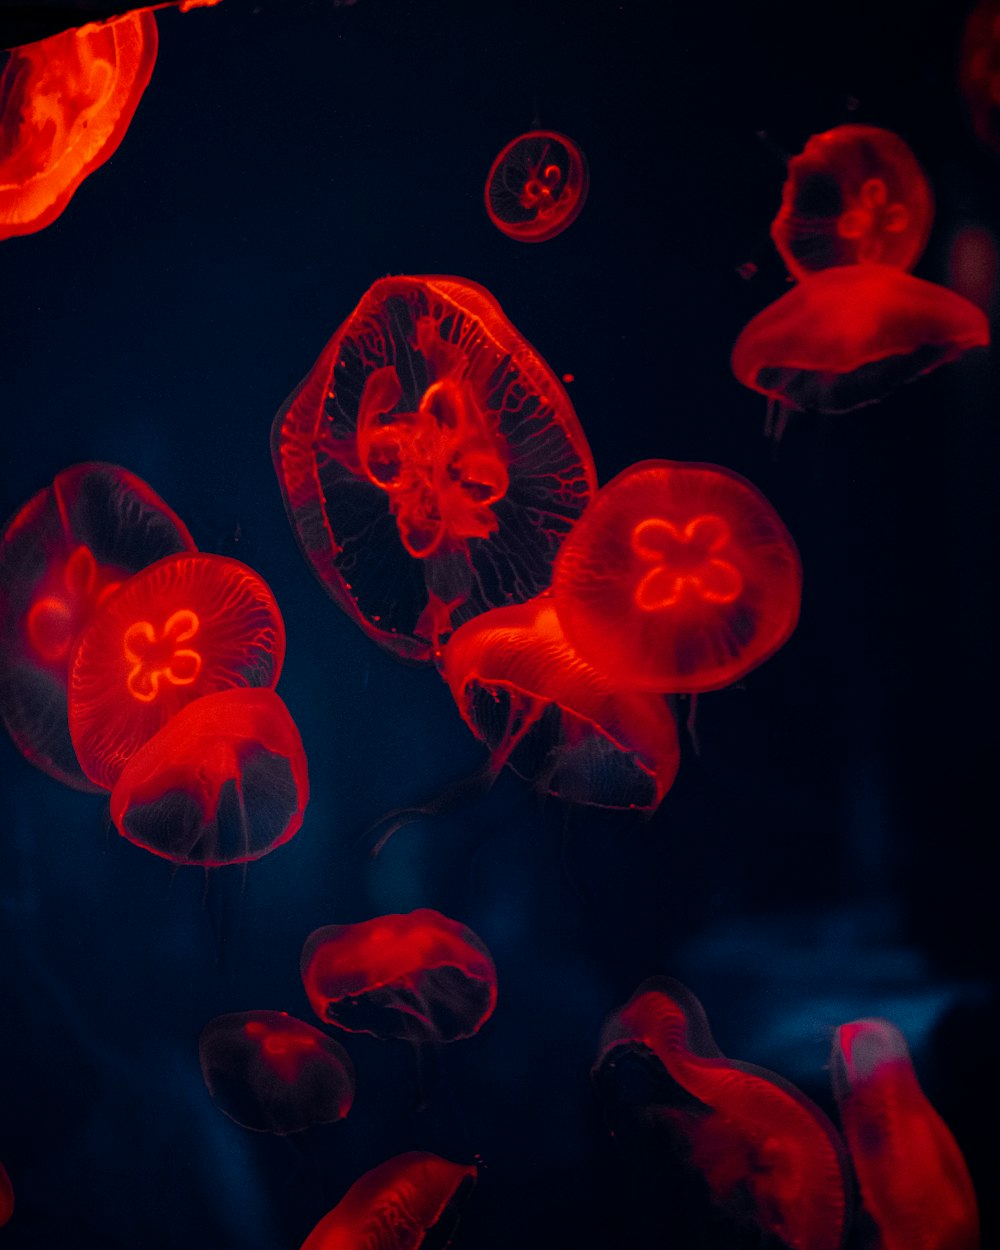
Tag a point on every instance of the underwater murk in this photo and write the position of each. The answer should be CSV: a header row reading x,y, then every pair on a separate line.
x,y
497,631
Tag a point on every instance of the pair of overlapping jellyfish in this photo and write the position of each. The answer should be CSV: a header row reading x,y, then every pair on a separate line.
x,y
439,483
855,216
763,1155
131,662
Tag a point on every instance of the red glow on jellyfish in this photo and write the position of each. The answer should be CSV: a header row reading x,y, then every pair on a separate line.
x,y
410,1202
855,194
678,577
431,462
768,1154
6,1196
61,556
979,71
557,721
913,1179
223,782
273,1073
419,976
537,186
187,626
65,105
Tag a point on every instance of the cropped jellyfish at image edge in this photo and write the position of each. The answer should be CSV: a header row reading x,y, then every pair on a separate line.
x,y
979,71
537,186
431,463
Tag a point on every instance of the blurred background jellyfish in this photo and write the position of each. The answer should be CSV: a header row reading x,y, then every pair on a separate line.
x,y
6,1196
979,71
537,186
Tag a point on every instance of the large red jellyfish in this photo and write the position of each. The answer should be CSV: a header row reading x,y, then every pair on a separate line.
x,y
65,105
913,1179
187,626
431,462
224,781
848,336
536,186
273,1073
61,556
856,193
420,976
554,718
768,1154
678,577
410,1202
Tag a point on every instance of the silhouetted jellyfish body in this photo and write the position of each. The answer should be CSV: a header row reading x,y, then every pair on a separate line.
x,y
979,71
913,1179
431,462
555,719
854,194
536,186
273,1073
678,577
419,976
187,626
769,1156
65,105
6,1196
61,556
410,1202
848,336
224,781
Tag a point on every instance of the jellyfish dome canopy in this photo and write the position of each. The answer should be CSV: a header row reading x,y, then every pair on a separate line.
x,y
61,556
679,577
854,194
273,1073
555,719
65,105
223,782
537,186
431,462
187,626
913,1178
419,976
410,1202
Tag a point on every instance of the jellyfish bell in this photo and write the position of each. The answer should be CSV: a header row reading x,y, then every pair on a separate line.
x,y
187,626
223,782
537,186
420,976
431,462
913,1178
679,577
555,719
61,556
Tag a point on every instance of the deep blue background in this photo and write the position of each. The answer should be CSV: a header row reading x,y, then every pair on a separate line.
x,y
828,852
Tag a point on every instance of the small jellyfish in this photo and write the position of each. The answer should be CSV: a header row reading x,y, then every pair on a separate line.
x,y
913,1179
848,336
555,719
536,186
65,105
61,556
419,976
187,626
224,781
273,1073
855,194
410,1202
769,1156
678,577
431,463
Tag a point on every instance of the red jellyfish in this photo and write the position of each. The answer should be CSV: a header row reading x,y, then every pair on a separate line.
x,y
410,1202
224,781
979,71
536,186
431,462
856,193
187,626
419,976
273,1073
61,556
555,719
678,577
913,1179
6,1196
769,1156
